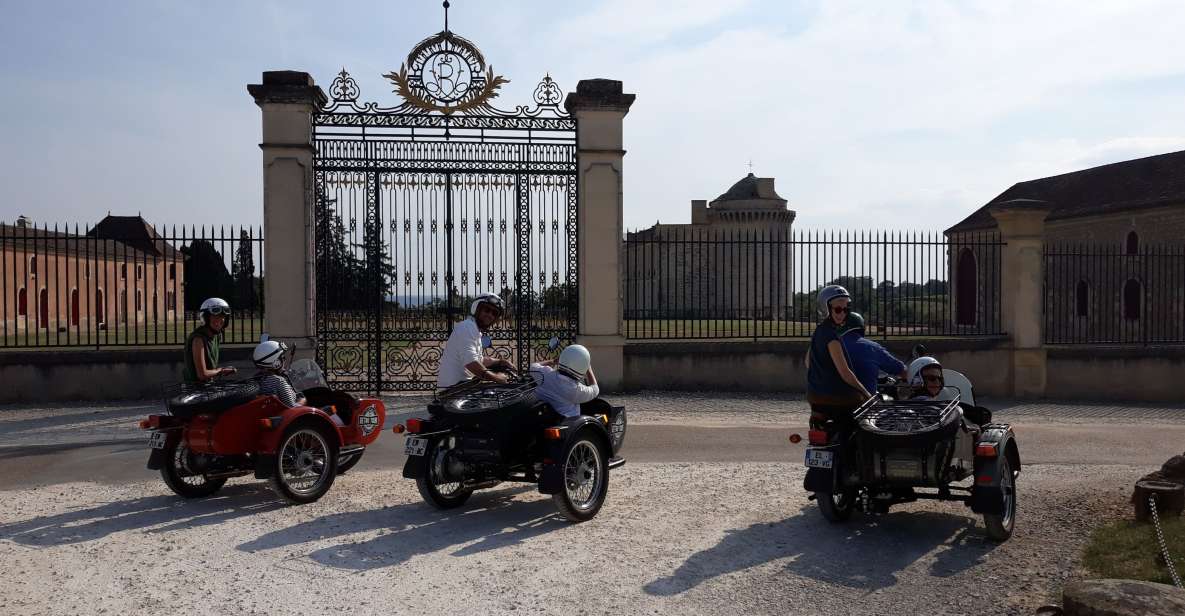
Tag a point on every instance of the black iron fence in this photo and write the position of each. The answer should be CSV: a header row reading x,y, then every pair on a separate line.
x,y
1113,295
683,282
123,282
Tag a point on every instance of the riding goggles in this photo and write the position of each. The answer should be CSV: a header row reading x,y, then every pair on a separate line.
x,y
218,310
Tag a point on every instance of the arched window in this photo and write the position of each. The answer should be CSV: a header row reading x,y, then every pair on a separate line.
x,y
22,303
33,266
1131,299
122,306
1133,243
43,308
172,271
74,307
1082,299
100,309
967,288
139,300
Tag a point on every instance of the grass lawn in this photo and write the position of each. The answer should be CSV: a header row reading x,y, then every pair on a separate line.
x,y
243,331
1126,549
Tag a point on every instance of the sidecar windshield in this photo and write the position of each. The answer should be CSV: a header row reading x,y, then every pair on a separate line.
x,y
306,374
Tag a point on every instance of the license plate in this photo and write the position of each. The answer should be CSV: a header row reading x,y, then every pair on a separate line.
x,y
415,446
156,440
818,458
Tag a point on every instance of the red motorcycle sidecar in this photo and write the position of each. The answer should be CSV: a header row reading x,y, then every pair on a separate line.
x,y
217,431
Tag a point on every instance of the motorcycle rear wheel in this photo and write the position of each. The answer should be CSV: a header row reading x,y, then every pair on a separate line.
x,y
837,507
180,480
435,489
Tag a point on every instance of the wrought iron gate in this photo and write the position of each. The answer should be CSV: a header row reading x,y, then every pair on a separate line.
x,y
424,205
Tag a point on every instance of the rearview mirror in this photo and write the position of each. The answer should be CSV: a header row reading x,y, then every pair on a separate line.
x,y
487,342
263,338
553,344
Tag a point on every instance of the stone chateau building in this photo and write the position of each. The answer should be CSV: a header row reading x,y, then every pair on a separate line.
x,y
1114,240
733,261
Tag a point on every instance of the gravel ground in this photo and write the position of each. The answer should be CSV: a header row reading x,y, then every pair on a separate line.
x,y
672,539
78,423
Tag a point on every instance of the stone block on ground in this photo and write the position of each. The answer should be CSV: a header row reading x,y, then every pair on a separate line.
x,y
1121,598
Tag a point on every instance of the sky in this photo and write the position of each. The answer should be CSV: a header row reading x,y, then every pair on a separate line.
x,y
896,114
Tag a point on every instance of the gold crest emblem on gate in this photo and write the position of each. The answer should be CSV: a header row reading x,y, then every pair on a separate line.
x,y
446,73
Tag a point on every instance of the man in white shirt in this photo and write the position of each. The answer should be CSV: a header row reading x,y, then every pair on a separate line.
x,y
562,383
462,358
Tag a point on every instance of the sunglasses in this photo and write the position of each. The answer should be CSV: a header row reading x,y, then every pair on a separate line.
x,y
931,379
840,309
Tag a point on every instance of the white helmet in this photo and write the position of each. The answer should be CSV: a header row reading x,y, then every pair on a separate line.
x,y
487,298
270,354
575,360
212,306
829,293
915,369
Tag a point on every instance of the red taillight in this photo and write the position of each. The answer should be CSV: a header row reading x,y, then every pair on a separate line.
x,y
414,425
986,450
152,423
794,438
552,434
397,429
983,479
817,437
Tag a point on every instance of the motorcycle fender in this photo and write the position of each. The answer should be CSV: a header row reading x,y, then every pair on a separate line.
x,y
824,479
985,495
415,467
551,479
264,465
156,457
269,440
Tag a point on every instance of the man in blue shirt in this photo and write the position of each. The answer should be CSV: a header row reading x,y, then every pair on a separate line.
x,y
868,359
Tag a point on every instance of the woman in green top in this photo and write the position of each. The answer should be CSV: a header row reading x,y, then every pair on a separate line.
x,y
202,346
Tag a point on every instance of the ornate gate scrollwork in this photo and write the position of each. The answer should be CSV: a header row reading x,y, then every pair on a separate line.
x,y
423,205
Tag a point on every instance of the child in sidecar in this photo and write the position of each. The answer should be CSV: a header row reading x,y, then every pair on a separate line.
x,y
930,381
566,383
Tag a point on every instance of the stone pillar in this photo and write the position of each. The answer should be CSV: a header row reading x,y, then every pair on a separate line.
x,y
1022,228
599,107
287,100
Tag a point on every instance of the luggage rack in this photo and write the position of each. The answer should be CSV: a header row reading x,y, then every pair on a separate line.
x,y
898,417
475,394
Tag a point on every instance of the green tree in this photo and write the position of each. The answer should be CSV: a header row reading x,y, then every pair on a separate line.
x,y
205,274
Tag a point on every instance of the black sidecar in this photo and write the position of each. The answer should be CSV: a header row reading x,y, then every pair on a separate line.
x,y
477,435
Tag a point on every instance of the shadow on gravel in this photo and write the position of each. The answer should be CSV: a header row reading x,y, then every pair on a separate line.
x,y
494,519
131,414
865,553
147,514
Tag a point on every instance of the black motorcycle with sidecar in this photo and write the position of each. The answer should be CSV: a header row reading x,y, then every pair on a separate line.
x,y
895,450
478,434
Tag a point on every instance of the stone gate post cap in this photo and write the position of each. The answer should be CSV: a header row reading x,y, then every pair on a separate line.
x,y
287,87
598,94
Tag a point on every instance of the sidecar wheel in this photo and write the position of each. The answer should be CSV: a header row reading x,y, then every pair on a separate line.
x,y
437,490
838,506
180,480
586,480
999,527
306,464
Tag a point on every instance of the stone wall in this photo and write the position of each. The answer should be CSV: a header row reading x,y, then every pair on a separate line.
x,y
68,375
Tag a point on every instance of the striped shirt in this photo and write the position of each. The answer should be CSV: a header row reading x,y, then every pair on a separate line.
x,y
278,386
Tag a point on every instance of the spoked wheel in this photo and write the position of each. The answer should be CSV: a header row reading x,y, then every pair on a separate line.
x,y
306,465
180,479
837,506
999,526
586,480
435,487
